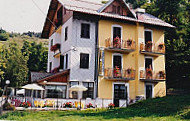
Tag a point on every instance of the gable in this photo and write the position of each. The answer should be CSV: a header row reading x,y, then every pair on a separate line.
x,y
117,7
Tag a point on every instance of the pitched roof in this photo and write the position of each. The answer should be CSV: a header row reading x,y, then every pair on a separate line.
x,y
38,75
110,2
84,6
41,76
96,9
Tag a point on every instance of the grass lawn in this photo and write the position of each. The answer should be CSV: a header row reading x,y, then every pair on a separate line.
x,y
159,109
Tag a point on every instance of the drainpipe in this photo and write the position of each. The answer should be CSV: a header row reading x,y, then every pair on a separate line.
x,y
96,59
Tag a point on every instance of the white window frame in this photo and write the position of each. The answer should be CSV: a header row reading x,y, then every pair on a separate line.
x,y
116,25
152,89
118,54
149,30
122,83
149,57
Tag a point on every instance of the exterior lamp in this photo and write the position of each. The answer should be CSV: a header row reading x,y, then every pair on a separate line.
x,y
7,82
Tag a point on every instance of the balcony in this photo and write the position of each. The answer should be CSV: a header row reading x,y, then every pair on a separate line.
x,y
57,53
55,47
118,45
152,76
152,49
119,74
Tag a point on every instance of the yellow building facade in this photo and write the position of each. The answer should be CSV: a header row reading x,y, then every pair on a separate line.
x,y
132,58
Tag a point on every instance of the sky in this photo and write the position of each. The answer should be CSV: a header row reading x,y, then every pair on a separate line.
x,y
23,16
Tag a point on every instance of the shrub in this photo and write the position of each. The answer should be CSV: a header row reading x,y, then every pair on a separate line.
x,y
4,36
8,106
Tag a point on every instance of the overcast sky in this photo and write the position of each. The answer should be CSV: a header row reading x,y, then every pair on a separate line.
x,y
23,15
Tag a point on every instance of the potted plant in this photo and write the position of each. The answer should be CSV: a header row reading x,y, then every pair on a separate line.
x,y
148,46
25,104
117,72
68,105
117,42
149,73
141,74
89,105
111,105
141,47
161,75
129,43
129,72
161,48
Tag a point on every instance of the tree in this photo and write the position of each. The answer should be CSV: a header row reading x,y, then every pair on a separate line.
x,y
37,55
4,36
136,3
177,13
16,65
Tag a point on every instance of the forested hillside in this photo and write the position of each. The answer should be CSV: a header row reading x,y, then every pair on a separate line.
x,y
20,54
177,13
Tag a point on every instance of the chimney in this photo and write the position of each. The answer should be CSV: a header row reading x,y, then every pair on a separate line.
x,y
139,13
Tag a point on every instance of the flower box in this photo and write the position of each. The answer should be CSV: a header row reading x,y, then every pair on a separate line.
x,y
55,47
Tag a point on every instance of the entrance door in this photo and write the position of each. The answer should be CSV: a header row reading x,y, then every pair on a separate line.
x,y
119,93
117,66
149,91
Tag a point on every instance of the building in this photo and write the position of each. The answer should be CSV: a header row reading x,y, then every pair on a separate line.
x,y
116,52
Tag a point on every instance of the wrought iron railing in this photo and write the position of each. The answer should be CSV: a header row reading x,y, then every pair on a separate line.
x,y
111,73
152,47
152,75
117,43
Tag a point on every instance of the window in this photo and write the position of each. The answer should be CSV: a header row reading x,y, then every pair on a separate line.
x,y
148,63
85,31
66,33
62,62
51,42
66,63
90,92
116,32
55,91
50,66
117,61
73,94
148,36
37,93
84,61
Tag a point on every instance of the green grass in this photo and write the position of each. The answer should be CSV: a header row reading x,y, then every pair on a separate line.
x,y
160,109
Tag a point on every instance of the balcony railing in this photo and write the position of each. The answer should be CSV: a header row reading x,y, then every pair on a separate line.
x,y
150,75
152,49
120,45
119,74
